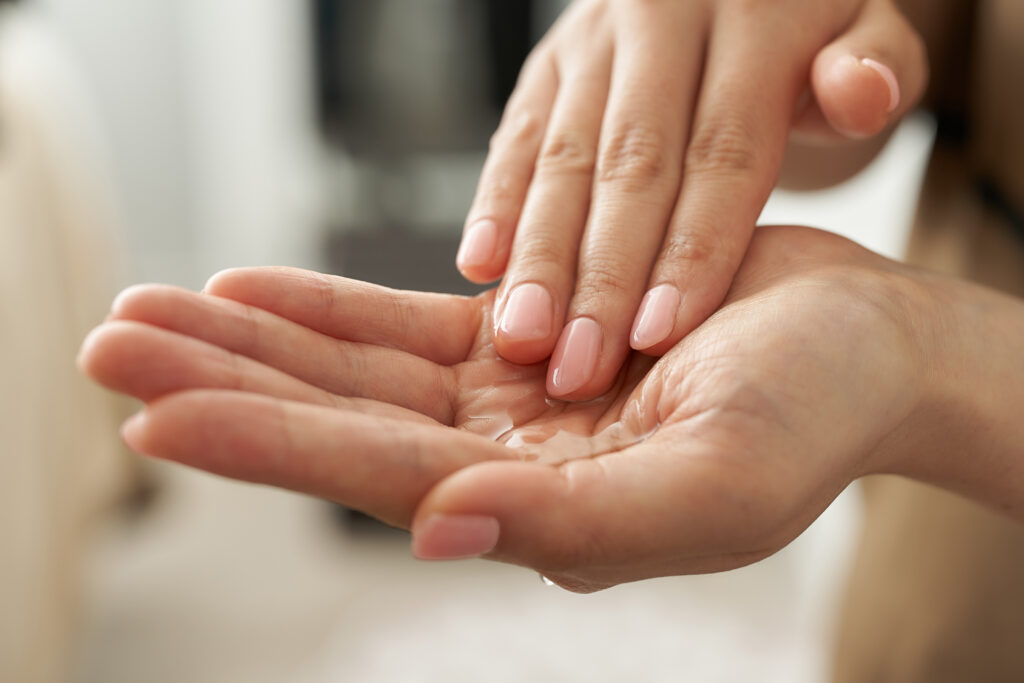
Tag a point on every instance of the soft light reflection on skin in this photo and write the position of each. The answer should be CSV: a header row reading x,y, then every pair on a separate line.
x,y
582,429
555,446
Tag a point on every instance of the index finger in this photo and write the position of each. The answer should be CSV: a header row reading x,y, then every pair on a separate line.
x,y
731,165
439,327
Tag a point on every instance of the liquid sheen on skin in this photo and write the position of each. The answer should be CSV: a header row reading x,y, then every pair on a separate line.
x,y
551,445
514,411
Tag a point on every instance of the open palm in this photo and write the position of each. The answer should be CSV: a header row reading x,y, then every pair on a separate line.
x,y
396,403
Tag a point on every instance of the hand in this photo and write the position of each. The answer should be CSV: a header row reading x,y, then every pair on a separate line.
x,y
637,151
390,402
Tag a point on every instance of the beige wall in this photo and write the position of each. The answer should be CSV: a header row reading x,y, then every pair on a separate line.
x,y
59,459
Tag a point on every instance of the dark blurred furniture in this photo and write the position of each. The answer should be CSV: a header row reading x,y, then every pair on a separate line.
x,y
481,67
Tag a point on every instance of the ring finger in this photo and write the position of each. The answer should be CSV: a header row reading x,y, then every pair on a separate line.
x,y
637,180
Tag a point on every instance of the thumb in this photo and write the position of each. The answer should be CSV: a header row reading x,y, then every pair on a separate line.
x,y
869,77
592,523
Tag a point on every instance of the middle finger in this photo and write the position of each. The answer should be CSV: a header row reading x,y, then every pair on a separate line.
x,y
655,79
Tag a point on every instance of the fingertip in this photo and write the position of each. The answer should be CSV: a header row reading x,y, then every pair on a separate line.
x,y
479,245
856,94
524,331
890,80
87,348
222,280
495,508
102,355
656,318
126,299
700,295
454,536
574,362
133,431
483,252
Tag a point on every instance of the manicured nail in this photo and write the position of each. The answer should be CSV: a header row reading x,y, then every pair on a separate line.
x,y
656,318
455,537
131,430
478,245
528,313
890,80
575,358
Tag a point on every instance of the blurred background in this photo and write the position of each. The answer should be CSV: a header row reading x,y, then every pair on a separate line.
x,y
146,140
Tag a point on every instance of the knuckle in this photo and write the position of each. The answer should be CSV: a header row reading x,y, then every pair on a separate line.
x,y
693,249
400,313
603,277
751,9
542,252
566,154
724,145
324,294
538,58
642,5
235,374
518,129
248,324
635,153
581,18
499,190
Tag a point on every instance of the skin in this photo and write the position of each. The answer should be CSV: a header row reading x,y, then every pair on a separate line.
x,y
826,362
638,149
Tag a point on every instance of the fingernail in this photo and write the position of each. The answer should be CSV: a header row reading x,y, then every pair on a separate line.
x,y
131,430
455,537
656,317
478,245
890,80
527,315
575,358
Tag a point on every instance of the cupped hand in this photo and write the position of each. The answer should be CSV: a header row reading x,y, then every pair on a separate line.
x,y
398,404
637,151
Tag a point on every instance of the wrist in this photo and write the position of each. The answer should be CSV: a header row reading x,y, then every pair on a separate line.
x,y
965,433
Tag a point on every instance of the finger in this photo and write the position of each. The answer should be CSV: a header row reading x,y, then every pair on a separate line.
x,y
656,509
148,362
541,270
732,160
380,466
492,219
870,76
439,327
636,184
335,366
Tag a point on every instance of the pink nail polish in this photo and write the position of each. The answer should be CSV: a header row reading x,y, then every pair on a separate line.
x,y
455,537
890,80
575,358
478,245
656,318
528,313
